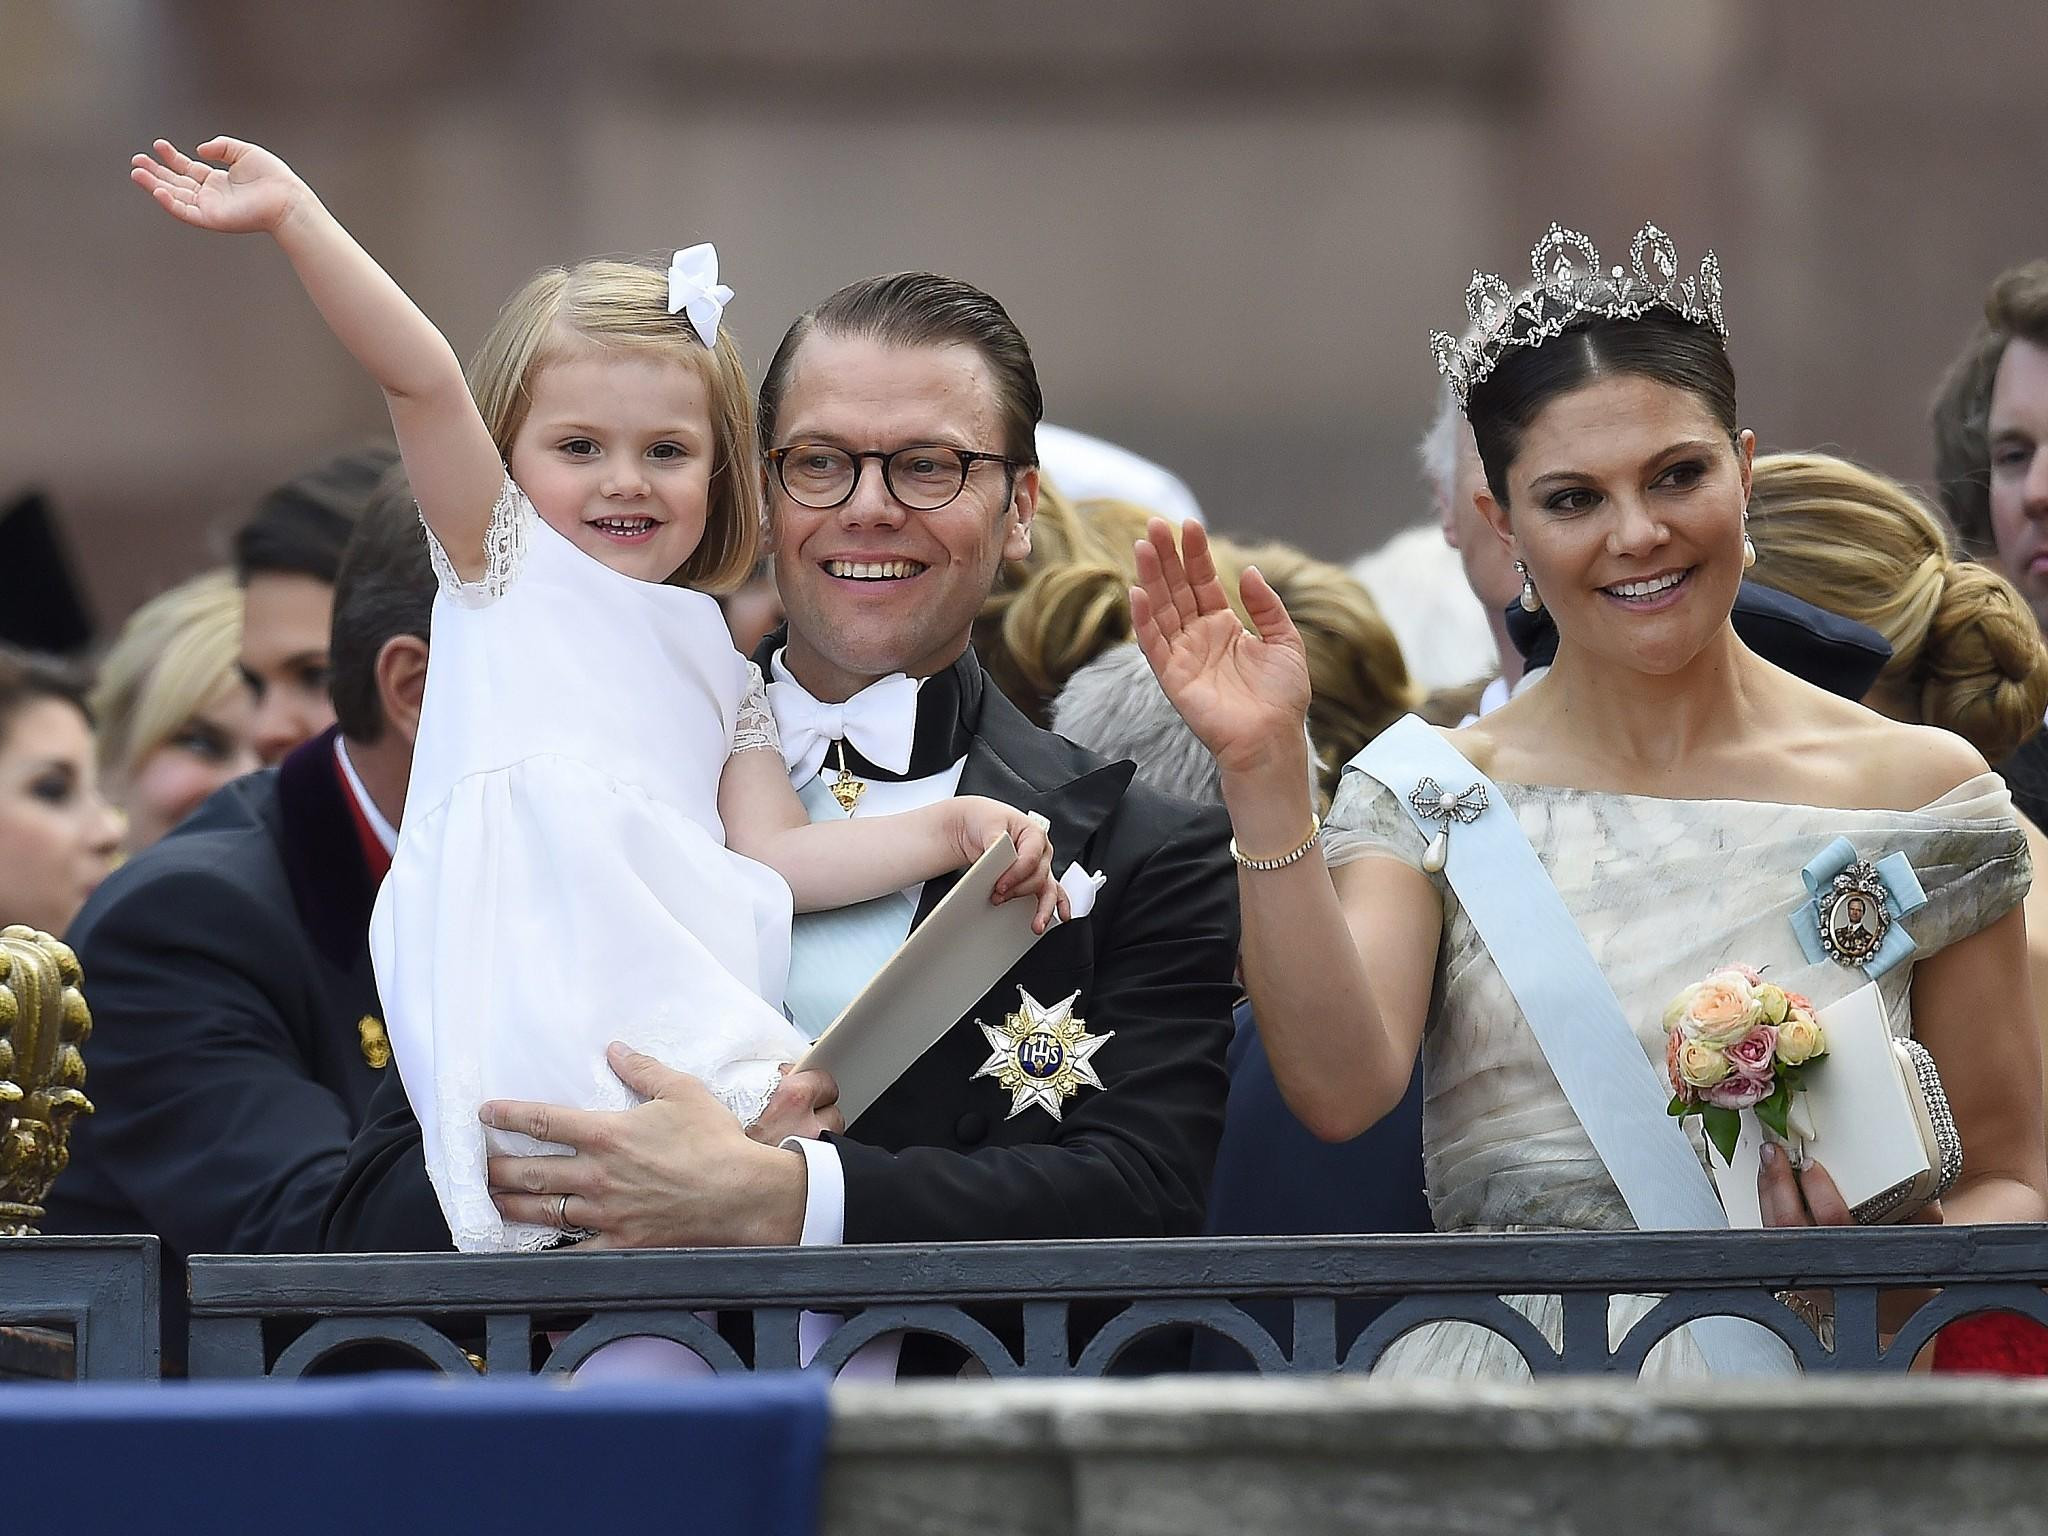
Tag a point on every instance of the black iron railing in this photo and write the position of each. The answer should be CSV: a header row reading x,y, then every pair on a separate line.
x,y
1075,1308
84,1307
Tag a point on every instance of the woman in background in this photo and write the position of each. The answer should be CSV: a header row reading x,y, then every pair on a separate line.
x,y
1966,656
1066,610
176,720
57,836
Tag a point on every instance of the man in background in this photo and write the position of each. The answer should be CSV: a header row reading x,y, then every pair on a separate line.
x,y
286,559
237,1033
1991,464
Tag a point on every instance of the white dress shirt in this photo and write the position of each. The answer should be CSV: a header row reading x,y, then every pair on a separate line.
x,y
832,955
385,832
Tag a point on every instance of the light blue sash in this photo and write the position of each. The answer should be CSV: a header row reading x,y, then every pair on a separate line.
x,y
1577,1020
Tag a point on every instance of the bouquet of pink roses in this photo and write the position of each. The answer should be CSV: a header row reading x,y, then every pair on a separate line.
x,y
1734,1042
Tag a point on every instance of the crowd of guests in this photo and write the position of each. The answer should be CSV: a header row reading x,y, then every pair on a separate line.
x,y
240,1068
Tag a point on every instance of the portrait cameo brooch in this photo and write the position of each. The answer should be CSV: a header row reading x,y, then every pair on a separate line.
x,y
1854,914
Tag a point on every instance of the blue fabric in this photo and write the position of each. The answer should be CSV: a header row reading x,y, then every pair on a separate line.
x,y
1275,1178
387,1456
1903,894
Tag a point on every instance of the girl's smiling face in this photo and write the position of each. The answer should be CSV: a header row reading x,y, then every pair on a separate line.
x,y
616,453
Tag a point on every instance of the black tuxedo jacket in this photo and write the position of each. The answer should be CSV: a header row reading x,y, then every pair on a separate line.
x,y
938,1158
227,969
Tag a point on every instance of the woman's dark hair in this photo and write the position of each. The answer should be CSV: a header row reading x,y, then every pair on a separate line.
x,y
26,677
922,309
1661,345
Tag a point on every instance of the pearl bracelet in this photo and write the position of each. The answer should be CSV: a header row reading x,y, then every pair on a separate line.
x,y
1315,832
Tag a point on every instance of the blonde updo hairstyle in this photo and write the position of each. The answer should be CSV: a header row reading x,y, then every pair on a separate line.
x,y
622,306
1069,602
173,660
1966,653
1063,604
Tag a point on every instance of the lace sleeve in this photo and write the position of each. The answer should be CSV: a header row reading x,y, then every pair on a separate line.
x,y
504,551
754,729
1366,818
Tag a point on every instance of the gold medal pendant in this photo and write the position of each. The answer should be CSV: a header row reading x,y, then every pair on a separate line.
x,y
846,789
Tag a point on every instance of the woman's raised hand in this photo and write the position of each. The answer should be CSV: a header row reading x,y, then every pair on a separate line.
x,y
1244,693
249,192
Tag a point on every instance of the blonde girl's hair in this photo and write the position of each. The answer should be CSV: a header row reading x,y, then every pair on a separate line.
x,y
1967,654
622,306
174,659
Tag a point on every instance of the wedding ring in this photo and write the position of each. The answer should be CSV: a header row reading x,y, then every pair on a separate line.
x,y
562,1212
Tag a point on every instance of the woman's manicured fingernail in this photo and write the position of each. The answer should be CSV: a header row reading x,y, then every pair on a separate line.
x,y
1770,1154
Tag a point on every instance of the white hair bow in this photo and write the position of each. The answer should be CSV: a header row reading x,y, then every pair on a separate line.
x,y
694,288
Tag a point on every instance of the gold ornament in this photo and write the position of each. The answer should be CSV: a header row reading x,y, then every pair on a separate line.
x,y
846,789
1041,1055
375,1042
43,1021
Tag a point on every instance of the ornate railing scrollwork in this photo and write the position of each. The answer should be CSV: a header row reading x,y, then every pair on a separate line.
x,y
1077,1309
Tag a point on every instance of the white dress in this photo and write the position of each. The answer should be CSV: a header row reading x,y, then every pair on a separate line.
x,y
1662,891
561,878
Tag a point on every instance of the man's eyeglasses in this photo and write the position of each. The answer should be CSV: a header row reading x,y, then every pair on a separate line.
x,y
924,478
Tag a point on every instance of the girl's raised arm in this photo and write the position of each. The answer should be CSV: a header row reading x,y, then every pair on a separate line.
x,y
449,457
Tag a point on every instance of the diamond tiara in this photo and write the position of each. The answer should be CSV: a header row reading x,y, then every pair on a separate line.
x,y
1571,283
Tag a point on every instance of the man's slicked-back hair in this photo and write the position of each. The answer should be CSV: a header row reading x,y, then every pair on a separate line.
x,y
385,589
922,309
302,527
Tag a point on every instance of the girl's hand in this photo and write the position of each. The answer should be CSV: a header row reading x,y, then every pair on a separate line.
x,y
1244,694
250,192
979,822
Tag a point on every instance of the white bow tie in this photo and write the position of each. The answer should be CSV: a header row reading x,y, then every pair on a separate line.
x,y
880,721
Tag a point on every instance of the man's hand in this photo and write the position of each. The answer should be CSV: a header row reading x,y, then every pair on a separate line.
x,y
805,1105
674,1172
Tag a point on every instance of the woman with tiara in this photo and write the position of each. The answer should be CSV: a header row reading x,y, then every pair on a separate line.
x,y
1677,793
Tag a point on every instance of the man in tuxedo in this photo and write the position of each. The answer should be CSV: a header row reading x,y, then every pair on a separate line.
x,y
237,1036
897,420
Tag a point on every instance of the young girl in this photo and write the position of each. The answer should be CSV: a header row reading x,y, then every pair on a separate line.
x,y
600,840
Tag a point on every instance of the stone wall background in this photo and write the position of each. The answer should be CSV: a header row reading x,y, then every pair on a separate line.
x,y
1225,228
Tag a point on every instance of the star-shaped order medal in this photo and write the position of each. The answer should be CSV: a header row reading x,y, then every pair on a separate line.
x,y
1041,1055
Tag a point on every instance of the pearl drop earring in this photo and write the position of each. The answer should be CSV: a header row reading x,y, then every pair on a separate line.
x,y
1531,600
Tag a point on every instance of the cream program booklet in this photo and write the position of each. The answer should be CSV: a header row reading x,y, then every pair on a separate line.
x,y
964,947
1866,1135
